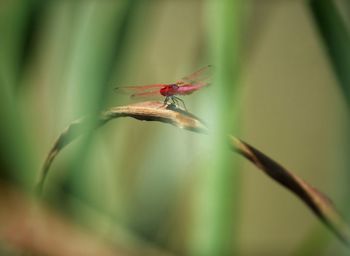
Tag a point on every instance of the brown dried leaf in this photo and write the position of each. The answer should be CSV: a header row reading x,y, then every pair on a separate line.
x,y
156,111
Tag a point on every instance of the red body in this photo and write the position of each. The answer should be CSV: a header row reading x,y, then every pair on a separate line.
x,y
169,90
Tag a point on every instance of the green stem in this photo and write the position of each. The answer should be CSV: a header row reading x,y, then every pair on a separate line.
x,y
216,213
336,40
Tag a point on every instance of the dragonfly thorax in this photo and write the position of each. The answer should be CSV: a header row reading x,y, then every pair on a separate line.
x,y
169,90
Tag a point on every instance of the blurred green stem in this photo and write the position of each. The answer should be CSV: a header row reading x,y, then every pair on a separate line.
x,y
16,159
216,214
336,40
98,39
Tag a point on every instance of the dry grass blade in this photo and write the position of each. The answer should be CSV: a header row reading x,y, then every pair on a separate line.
x,y
156,111
146,111
320,204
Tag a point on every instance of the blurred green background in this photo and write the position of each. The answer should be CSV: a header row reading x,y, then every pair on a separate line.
x,y
138,182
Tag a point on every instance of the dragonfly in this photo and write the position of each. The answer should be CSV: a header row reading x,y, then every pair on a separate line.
x,y
185,86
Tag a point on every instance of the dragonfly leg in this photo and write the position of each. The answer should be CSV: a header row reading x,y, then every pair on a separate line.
x,y
165,101
179,100
175,101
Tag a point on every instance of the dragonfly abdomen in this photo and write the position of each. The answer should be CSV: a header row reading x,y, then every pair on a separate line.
x,y
188,89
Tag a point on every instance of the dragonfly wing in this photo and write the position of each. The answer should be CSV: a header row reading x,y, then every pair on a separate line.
x,y
146,94
199,75
133,89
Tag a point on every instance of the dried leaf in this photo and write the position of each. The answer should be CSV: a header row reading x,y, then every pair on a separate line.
x,y
321,205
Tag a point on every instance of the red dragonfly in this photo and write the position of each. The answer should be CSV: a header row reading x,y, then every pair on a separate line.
x,y
184,86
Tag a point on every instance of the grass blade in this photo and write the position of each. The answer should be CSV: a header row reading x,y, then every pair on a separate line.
x,y
319,204
336,39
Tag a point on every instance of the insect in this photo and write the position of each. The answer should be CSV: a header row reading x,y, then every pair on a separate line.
x,y
184,86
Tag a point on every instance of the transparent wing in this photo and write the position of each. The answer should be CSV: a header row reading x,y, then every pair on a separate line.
x,y
135,89
145,94
199,76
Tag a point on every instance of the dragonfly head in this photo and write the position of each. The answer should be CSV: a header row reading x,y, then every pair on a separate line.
x,y
169,90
